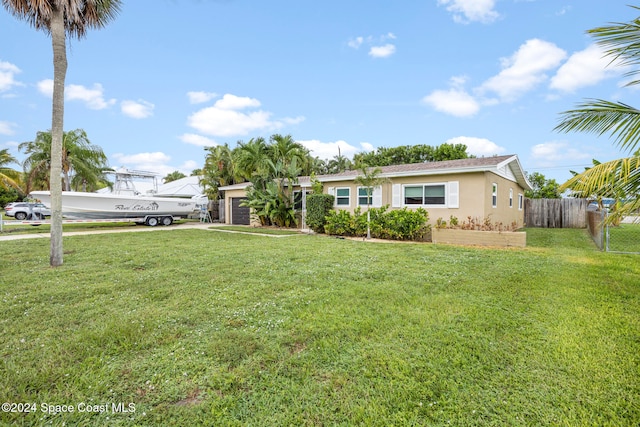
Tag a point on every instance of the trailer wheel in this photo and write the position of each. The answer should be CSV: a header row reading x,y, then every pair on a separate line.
x,y
167,221
152,221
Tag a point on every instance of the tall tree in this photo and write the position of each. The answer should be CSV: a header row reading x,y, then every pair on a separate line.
x,y
173,176
83,163
9,178
405,154
621,42
253,157
220,168
60,18
542,188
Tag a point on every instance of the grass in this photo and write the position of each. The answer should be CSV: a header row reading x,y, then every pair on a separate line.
x,y
46,228
258,230
625,238
202,328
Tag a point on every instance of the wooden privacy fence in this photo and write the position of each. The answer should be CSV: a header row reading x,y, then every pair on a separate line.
x,y
556,213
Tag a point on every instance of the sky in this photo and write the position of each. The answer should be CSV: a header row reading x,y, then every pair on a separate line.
x,y
168,78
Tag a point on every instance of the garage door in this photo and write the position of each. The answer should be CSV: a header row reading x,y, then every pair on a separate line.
x,y
239,214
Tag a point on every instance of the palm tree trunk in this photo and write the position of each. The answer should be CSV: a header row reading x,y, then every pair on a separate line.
x,y
58,36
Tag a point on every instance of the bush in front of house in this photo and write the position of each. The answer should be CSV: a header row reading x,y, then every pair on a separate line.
x,y
318,207
400,224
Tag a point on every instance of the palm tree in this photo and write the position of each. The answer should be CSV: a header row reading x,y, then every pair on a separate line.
x,y
253,161
621,42
173,176
220,168
339,164
60,18
369,179
83,164
9,178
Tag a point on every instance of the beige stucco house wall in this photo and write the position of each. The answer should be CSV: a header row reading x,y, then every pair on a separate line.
x,y
479,188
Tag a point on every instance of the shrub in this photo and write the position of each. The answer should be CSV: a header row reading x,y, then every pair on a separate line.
x,y
343,223
474,223
318,207
401,224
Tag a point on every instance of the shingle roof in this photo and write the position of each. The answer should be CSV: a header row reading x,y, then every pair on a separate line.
x,y
478,164
444,166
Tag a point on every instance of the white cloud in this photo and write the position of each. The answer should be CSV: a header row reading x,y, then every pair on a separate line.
x,y
157,162
293,120
524,70
356,42
382,51
189,166
367,147
199,140
45,87
7,128
233,102
8,72
378,46
328,150
554,152
154,162
454,101
585,68
93,98
478,146
140,109
465,11
225,119
200,97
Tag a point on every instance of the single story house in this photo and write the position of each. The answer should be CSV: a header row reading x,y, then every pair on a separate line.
x,y
481,187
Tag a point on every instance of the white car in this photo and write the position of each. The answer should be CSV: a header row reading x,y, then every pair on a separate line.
x,y
27,210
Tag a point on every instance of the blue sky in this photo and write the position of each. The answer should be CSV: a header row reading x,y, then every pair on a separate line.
x,y
169,77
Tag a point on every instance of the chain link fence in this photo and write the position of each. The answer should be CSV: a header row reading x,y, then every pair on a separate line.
x,y
623,237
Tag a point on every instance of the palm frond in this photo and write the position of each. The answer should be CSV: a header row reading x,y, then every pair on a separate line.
x,y
601,117
621,42
617,178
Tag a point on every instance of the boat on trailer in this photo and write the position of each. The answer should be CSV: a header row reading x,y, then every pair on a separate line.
x,y
124,202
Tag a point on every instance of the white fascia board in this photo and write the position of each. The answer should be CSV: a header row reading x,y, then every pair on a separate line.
x,y
521,177
413,173
240,186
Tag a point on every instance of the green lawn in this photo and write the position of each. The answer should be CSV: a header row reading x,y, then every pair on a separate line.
x,y
624,238
194,327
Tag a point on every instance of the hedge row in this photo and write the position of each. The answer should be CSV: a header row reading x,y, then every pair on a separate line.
x,y
401,224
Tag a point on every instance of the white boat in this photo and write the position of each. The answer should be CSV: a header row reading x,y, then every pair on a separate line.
x,y
123,202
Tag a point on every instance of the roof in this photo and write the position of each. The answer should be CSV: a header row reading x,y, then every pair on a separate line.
x,y
183,187
508,167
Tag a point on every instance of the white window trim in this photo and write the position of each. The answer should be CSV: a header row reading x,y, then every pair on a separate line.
x,y
494,194
520,201
335,196
511,198
433,184
376,196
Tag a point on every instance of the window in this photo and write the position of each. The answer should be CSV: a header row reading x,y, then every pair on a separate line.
x,y
494,195
342,196
431,194
520,201
511,197
363,198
